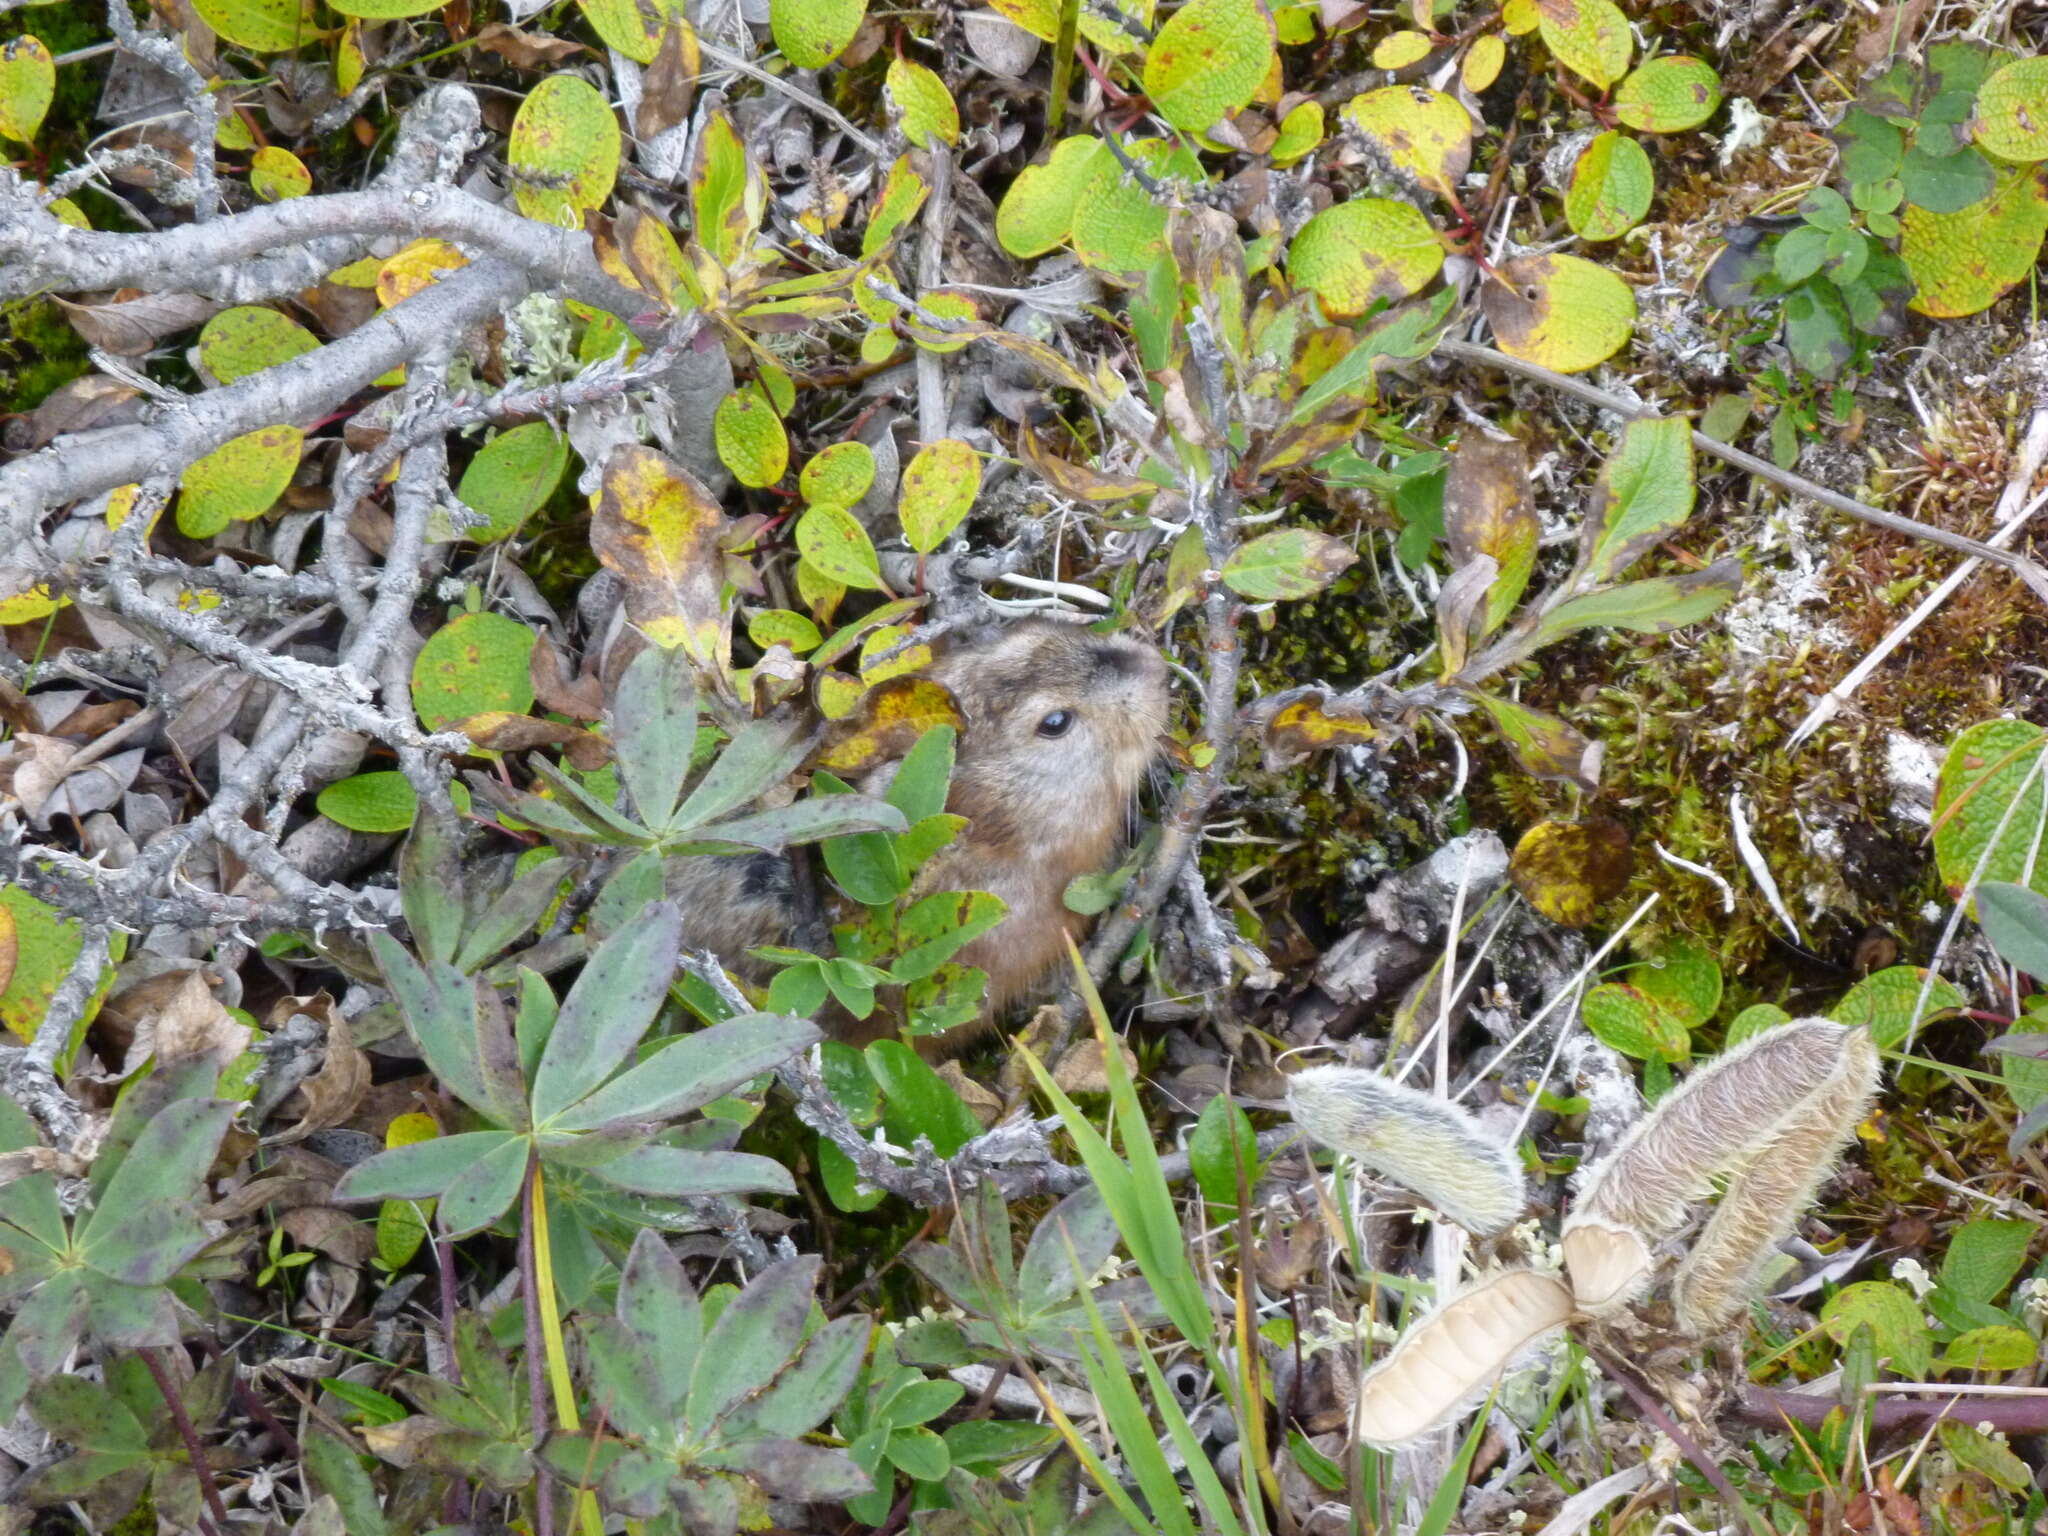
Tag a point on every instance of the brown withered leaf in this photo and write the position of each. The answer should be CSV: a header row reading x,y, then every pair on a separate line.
x,y
330,1095
1566,869
580,697
891,717
132,326
1461,608
332,1231
660,531
526,50
503,732
1487,512
1076,480
669,84
190,1025
87,401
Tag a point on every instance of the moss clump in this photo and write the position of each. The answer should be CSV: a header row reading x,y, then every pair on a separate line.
x,y
39,353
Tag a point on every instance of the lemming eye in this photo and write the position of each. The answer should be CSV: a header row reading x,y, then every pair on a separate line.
x,y
1058,723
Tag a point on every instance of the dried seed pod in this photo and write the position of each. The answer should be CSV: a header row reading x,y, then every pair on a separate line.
x,y
1764,1200
1448,1358
1420,1141
1724,1118
1608,1264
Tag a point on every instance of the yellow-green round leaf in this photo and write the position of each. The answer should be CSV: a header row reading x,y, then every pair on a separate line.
x,y
834,544
370,802
1397,50
841,473
1208,60
28,81
781,626
750,437
633,27
1563,312
1668,95
1037,212
248,339
1978,795
402,1224
1589,37
1962,262
386,10
942,306
1893,1318
262,26
1482,62
38,602
812,33
1424,132
878,345
939,487
1041,18
475,665
566,134
276,174
239,480
1118,227
926,105
46,945
1301,130
2011,119
65,211
512,478
1611,187
351,63
1358,252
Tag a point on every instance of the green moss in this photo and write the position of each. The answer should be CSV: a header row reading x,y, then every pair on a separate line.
x,y
39,353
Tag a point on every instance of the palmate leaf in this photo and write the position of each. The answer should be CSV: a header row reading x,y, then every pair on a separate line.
x,y
753,1339
690,1072
762,755
678,1173
49,1324
659,1305
439,1005
144,1227
607,1011
653,722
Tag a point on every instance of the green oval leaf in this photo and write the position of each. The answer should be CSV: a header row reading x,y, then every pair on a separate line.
x,y
1209,60
475,665
563,150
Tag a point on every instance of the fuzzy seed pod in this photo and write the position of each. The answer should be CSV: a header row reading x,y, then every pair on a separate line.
x,y
1448,1359
1419,1141
1764,1200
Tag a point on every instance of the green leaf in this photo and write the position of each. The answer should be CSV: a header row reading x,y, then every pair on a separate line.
x,y
1799,253
833,541
938,490
334,1470
563,149
514,476
1209,59
1654,606
658,1304
1644,493
477,664
688,1073
370,802
1610,189
1872,146
1817,330
607,1011
1668,95
750,437
681,1173
1884,1003
28,84
917,1101
1541,743
759,757
1978,1452
1981,817
1360,252
1983,1257
1037,212
812,33
2015,920
756,1334
653,721
1891,1315
2011,118
1222,1146
421,1170
1628,1020
2001,1347
1287,563
144,1226
927,109
1947,184
485,1190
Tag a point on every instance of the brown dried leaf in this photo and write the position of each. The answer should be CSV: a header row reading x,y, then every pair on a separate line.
x,y
330,1095
131,327
1487,512
1313,723
669,84
580,697
87,401
191,1025
526,50
332,1231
